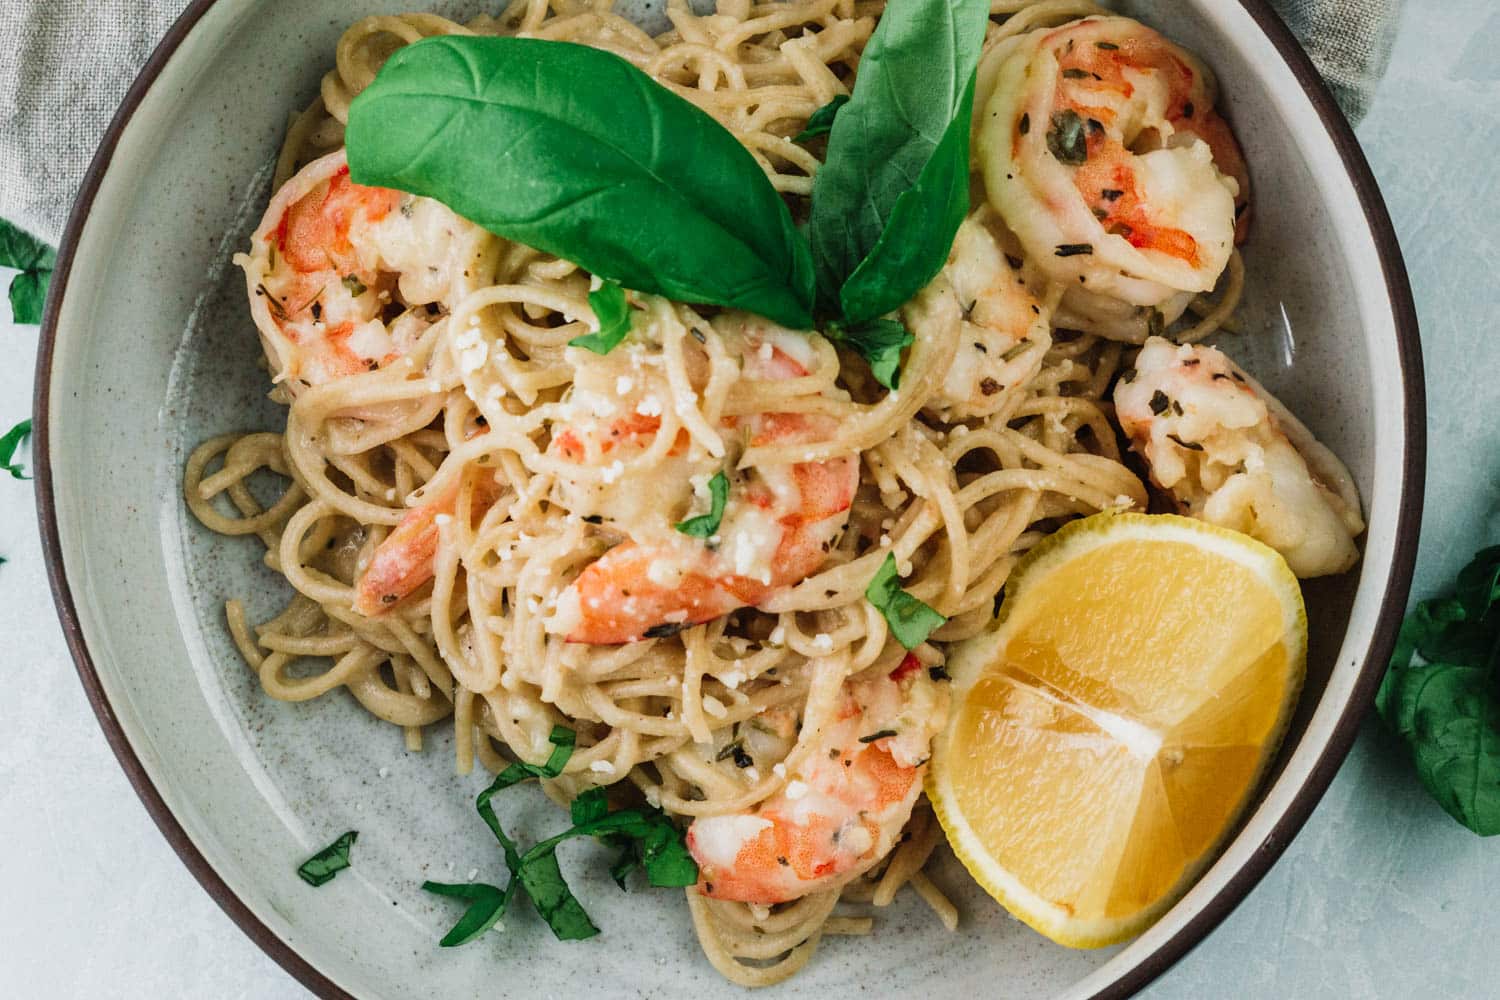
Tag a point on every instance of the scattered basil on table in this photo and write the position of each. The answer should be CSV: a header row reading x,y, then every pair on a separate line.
x,y
1440,697
35,260
10,443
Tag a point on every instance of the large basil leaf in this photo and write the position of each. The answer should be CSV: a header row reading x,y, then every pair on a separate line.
x,y
895,187
573,151
1446,707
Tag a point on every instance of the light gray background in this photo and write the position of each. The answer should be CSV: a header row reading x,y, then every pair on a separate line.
x,y
1381,896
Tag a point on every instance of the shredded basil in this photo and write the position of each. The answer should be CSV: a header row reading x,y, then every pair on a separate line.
x,y
487,904
911,620
9,444
35,260
323,866
503,132
707,525
613,314
821,121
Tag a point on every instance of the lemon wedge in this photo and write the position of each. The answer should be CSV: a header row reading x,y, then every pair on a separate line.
x,y
1110,728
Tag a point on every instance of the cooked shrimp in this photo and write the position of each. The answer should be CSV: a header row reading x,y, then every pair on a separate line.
x,y
345,278
1102,149
779,521
1001,317
403,561
841,810
1232,455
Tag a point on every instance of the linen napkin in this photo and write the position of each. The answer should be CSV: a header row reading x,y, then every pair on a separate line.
x,y
71,62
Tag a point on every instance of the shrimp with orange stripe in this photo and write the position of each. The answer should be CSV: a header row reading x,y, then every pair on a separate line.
x,y
1102,149
846,797
778,524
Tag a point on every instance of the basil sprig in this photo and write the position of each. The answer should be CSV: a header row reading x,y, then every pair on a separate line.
x,y
35,260
573,151
1439,695
647,839
889,200
323,866
10,442
706,525
911,620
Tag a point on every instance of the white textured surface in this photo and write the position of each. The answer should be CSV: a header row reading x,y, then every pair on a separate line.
x,y
1382,895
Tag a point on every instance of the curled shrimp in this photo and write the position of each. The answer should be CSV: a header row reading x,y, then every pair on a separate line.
x,y
1002,319
404,561
779,521
1229,453
842,809
345,278
1101,147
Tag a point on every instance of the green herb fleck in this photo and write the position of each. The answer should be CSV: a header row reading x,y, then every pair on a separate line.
x,y
613,314
707,525
1159,402
911,620
354,285
9,443
487,904
1067,139
1439,695
877,736
1074,249
328,862
821,121
880,342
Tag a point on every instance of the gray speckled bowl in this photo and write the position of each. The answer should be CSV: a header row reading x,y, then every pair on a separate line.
x,y
148,349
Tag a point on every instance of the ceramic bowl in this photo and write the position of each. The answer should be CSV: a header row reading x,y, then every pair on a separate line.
x,y
148,349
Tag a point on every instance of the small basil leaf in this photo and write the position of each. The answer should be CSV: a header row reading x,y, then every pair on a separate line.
x,y
563,740
821,120
500,131
880,342
9,443
487,905
613,314
323,866
911,620
706,525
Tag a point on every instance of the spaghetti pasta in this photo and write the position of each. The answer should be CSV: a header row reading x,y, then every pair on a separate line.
x,y
502,450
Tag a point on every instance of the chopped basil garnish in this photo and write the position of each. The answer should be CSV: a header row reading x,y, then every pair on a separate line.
x,y
613,314
487,904
1067,139
647,838
911,620
8,446
821,121
707,525
328,862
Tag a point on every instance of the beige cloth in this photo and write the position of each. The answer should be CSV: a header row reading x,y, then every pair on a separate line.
x,y
67,64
